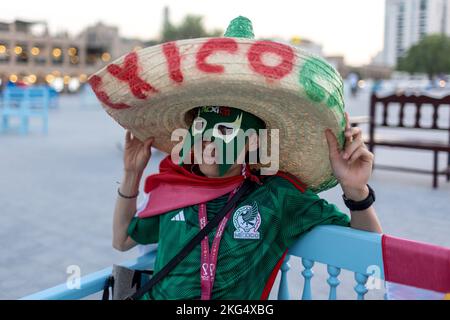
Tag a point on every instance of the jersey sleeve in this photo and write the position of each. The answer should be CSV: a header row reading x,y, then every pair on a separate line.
x,y
144,230
302,211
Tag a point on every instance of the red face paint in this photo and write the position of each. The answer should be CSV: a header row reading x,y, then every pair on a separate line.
x,y
129,73
258,49
95,83
173,58
211,46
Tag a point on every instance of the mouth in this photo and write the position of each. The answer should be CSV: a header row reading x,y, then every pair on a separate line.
x,y
209,157
208,154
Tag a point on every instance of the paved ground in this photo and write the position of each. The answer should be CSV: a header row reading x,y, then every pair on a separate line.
x,y
58,192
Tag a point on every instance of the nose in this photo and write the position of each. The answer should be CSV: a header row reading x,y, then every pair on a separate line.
x,y
209,145
206,143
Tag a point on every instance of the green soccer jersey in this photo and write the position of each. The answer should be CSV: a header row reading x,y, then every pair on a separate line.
x,y
263,225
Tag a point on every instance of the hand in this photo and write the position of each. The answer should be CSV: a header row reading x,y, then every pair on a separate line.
x,y
352,166
136,153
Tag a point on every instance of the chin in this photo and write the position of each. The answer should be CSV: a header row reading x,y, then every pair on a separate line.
x,y
209,170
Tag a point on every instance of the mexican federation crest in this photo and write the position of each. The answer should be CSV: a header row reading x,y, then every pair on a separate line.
x,y
247,221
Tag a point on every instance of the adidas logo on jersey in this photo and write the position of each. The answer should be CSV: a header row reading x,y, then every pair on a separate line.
x,y
179,216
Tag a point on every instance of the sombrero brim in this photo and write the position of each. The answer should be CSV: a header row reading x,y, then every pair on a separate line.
x,y
151,91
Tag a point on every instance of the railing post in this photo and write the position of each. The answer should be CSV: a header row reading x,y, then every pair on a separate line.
x,y
307,274
283,292
333,280
360,288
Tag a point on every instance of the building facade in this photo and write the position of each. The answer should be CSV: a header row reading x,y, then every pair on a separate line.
x,y
408,21
30,54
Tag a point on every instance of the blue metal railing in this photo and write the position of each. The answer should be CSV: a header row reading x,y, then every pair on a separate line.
x,y
337,247
25,103
92,283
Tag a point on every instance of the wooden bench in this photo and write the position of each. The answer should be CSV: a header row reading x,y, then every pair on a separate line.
x,y
384,105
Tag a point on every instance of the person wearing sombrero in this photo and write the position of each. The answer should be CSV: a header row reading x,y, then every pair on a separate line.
x,y
213,90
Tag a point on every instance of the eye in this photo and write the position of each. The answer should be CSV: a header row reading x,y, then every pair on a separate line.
x,y
224,130
198,125
227,131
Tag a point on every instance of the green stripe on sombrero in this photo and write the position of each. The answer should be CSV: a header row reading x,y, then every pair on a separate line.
x,y
314,69
240,27
312,75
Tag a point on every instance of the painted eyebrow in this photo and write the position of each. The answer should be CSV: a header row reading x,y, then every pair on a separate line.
x,y
222,126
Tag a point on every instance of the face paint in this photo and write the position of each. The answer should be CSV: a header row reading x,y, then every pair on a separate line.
x,y
227,131
226,127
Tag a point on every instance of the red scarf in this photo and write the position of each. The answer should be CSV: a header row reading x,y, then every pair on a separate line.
x,y
176,187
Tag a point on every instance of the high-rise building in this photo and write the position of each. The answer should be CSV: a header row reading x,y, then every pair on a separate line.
x,y
408,21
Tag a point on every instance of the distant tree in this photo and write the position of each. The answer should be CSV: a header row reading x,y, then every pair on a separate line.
x,y
191,27
430,56
169,32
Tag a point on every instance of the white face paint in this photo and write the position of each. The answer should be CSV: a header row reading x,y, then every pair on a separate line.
x,y
227,131
198,126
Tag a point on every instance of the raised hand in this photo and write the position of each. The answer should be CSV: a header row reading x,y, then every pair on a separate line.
x,y
136,153
353,165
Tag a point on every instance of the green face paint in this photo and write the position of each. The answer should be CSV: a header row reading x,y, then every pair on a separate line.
x,y
224,126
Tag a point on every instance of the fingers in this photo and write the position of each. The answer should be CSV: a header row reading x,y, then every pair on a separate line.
x,y
362,154
333,146
347,121
130,137
348,129
357,141
149,142
147,146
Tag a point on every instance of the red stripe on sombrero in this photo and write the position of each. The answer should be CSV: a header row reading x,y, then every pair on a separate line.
x,y
95,83
211,46
129,74
292,179
260,48
416,264
273,276
173,57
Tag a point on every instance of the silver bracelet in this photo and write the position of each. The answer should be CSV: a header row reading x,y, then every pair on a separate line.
x,y
126,197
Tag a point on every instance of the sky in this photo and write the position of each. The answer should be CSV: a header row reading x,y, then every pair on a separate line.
x,y
352,28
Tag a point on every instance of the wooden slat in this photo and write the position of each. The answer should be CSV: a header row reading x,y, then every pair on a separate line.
x,y
417,101
412,144
414,170
355,121
413,99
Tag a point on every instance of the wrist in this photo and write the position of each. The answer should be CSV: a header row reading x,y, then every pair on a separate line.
x,y
130,183
359,202
356,193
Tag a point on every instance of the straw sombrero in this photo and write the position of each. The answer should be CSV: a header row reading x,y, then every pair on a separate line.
x,y
151,91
